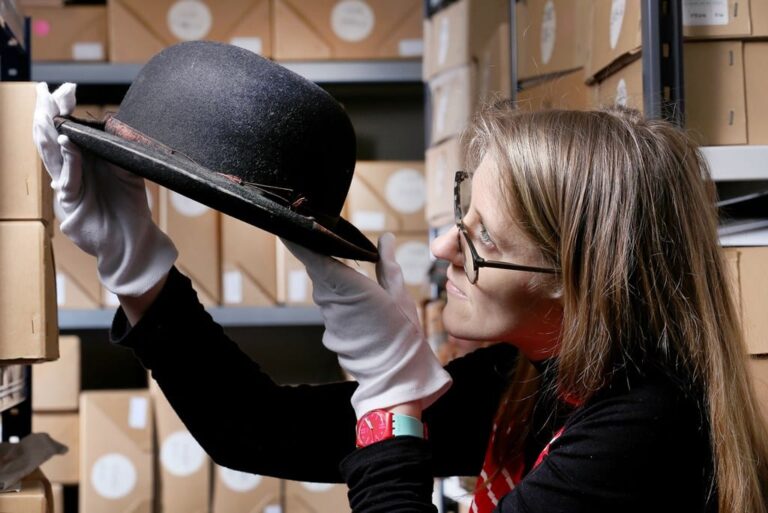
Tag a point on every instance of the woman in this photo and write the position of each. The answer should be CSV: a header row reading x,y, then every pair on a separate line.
x,y
587,247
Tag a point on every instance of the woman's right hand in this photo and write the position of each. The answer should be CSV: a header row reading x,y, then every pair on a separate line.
x,y
102,208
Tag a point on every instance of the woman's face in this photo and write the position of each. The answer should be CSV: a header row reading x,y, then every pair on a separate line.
x,y
519,307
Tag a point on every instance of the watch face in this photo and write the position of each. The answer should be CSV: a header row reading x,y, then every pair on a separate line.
x,y
373,427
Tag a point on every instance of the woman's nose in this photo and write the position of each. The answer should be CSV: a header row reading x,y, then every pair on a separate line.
x,y
446,247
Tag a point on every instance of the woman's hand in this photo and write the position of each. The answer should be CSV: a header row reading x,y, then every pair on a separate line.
x,y
374,330
102,208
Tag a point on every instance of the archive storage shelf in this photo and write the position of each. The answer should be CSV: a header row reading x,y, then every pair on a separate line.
x,y
321,72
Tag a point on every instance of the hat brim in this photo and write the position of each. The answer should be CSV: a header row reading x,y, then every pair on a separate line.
x,y
196,182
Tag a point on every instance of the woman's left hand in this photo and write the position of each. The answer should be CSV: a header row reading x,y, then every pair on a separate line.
x,y
374,329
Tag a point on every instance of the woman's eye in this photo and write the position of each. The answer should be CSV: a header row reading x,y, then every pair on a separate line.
x,y
485,238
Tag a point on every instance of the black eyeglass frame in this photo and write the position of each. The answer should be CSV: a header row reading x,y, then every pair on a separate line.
x,y
477,260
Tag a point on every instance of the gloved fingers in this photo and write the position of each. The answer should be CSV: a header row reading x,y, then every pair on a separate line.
x,y
327,272
44,132
64,97
390,275
70,182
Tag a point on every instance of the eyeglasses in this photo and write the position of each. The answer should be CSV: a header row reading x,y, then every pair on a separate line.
x,y
462,194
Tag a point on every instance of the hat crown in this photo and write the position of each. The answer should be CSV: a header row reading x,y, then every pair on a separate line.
x,y
234,112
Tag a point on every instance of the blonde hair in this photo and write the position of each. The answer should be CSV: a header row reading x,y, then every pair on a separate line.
x,y
621,205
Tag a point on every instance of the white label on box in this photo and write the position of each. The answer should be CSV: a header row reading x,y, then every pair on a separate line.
x,y
238,481
113,476
622,97
88,51
617,19
181,455
444,38
233,287
705,12
137,412
61,289
273,508
186,206
110,298
369,220
352,20
249,43
441,112
406,191
318,487
548,31
413,258
189,20
411,47
298,282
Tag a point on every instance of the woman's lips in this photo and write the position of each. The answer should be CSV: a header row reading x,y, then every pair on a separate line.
x,y
454,290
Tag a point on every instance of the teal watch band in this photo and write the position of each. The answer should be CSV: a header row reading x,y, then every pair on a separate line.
x,y
405,425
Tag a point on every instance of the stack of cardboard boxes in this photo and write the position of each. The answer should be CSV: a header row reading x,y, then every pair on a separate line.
x,y
390,197
724,66
131,31
28,315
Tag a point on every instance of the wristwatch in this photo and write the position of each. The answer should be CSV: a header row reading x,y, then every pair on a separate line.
x,y
378,425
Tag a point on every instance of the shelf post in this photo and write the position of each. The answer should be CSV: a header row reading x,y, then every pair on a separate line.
x,y
663,93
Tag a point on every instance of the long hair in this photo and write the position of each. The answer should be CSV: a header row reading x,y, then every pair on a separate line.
x,y
620,204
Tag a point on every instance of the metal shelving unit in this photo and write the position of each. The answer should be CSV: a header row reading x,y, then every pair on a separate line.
x,y
16,389
321,72
228,317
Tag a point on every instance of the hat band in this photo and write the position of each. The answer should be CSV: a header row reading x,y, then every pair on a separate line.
x,y
295,201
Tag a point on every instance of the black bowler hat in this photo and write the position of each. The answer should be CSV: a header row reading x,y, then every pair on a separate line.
x,y
241,134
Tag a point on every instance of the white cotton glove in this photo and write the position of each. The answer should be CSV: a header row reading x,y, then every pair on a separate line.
x,y
374,330
102,208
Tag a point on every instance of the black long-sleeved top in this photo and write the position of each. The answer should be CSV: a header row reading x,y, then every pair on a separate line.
x,y
641,444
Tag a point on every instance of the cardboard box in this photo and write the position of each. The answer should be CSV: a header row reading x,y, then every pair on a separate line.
x,y
460,33
552,36
77,280
413,255
624,87
755,78
725,18
616,36
758,366
25,187
387,196
184,467
138,29
195,230
69,33
235,491
64,428
715,103
564,91
29,327
749,284
293,284
56,385
347,29
315,497
116,451
454,98
493,75
35,496
249,274
442,162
